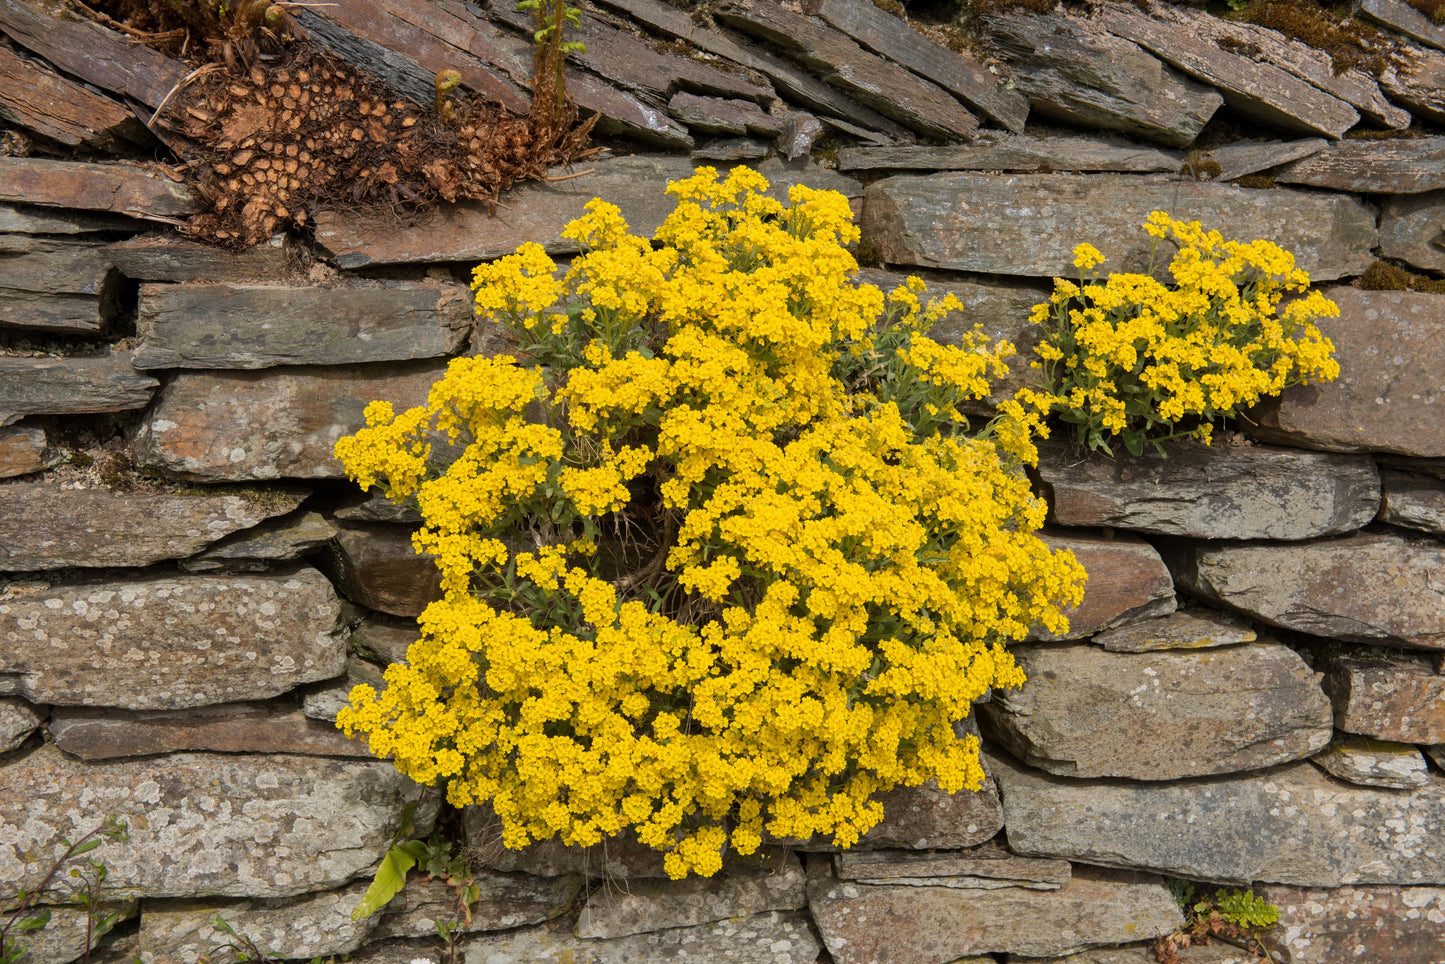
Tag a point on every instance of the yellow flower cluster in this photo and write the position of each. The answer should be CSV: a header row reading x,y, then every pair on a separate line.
x,y
722,561
1140,360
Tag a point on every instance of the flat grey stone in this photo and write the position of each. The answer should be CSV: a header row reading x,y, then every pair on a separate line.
x,y
118,188
1416,80
721,115
1082,710
617,858
24,449
1182,629
1128,582
1388,397
1413,501
103,734
1029,224
1074,71
1389,699
280,423
1258,89
1412,229
732,149
384,641
58,285
29,219
1212,491
504,901
992,151
926,818
1373,763
1402,925
1250,157
984,867
18,720
1404,19
647,906
937,925
170,642
44,525
260,548
377,567
1371,587
378,508
304,926
1402,165
220,326
155,257
63,939
204,824
1214,953
777,937
322,701
537,211
1291,824
71,386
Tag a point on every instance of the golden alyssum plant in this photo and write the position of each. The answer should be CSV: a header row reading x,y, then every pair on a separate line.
x,y
721,559
1134,359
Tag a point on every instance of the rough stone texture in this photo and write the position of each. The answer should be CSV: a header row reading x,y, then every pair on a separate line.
x,y
505,901
1371,763
1250,157
306,926
65,286
537,212
376,507
1029,224
161,257
279,423
1183,629
936,925
926,818
1291,824
1206,711
1373,587
1405,19
45,526
874,82
1413,501
1015,152
1412,228
1213,491
322,701
1389,699
986,867
617,858
170,642
377,567
71,386
1391,348
98,734
18,720
259,548
63,939
1406,165
955,71
1417,80
206,824
1127,582
644,906
1401,925
720,115
24,449
35,98
119,188
1215,953
1072,70
777,937
262,326
1260,89
28,219
383,641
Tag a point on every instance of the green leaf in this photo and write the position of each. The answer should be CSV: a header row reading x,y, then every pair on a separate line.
x,y
390,879
86,847
34,923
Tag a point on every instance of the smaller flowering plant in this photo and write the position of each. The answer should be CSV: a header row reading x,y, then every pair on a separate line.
x,y
1134,359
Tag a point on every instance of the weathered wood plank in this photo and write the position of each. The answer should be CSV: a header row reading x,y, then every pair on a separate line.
x,y
220,326
119,188
1263,91
62,286
38,99
958,73
1028,224
886,87
1073,70
71,386
1395,166
93,53
1015,152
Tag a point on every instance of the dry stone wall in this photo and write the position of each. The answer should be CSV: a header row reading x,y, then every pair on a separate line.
x,y
1252,691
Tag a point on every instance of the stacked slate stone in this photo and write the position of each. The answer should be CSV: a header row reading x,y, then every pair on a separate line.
x,y
1251,693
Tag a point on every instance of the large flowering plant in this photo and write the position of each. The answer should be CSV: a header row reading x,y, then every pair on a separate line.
x,y
1134,358
720,556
